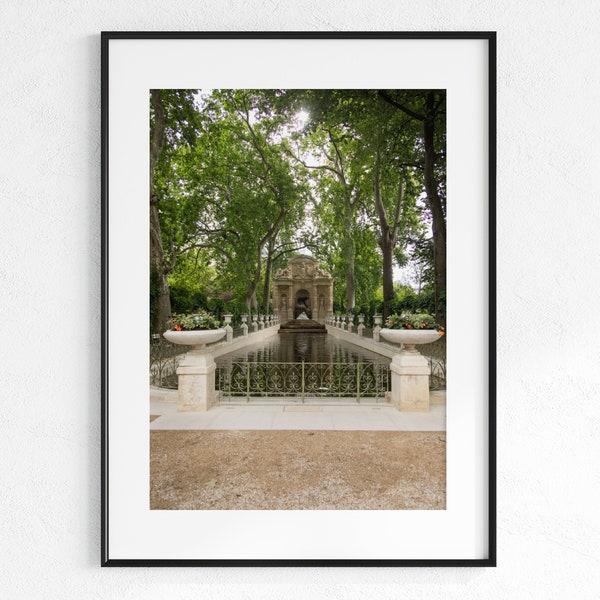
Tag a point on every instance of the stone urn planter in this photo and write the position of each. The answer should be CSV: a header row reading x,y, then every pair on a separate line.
x,y
195,338
410,337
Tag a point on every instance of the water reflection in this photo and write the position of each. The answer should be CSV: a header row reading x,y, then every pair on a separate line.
x,y
307,347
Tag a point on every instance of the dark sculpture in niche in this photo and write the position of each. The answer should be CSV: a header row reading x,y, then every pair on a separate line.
x,y
302,304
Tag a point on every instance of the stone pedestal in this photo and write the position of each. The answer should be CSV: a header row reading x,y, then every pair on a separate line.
x,y
410,381
377,328
197,381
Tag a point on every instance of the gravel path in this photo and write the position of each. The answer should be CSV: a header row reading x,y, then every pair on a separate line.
x,y
312,470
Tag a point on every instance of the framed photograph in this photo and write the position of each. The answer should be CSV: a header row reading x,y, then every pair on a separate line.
x,y
298,271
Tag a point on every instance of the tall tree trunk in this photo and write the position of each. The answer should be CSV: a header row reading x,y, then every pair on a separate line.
x,y
251,303
350,284
350,252
388,237
437,213
387,249
253,284
158,268
158,275
268,272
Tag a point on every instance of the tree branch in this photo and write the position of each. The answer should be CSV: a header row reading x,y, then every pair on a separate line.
x,y
377,193
438,105
398,213
318,167
411,164
338,162
256,144
296,248
385,96
209,245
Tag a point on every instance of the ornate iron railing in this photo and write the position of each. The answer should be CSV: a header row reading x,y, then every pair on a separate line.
x,y
435,353
164,360
437,379
303,380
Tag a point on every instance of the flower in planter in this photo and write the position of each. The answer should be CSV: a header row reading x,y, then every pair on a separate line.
x,y
413,321
197,321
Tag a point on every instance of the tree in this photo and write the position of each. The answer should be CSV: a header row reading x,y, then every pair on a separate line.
x,y
248,187
172,126
383,185
340,169
340,181
428,108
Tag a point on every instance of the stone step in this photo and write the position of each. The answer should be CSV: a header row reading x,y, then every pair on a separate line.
x,y
302,326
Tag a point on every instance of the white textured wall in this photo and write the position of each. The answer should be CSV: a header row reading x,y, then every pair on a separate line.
x,y
548,287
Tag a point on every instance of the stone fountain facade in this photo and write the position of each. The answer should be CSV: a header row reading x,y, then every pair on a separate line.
x,y
302,287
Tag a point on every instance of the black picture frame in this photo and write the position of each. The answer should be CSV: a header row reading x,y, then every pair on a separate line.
x,y
110,439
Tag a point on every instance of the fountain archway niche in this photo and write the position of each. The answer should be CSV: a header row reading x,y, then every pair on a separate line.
x,y
303,304
302,287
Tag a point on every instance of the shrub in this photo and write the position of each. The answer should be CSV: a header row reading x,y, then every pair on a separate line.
x,y
194,322
412,321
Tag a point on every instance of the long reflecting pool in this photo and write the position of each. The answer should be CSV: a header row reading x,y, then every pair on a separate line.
x,y
307,347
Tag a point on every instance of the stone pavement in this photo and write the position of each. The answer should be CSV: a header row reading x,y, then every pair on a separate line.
x,y
334,417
